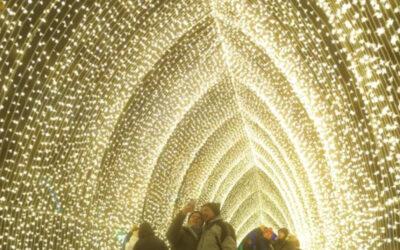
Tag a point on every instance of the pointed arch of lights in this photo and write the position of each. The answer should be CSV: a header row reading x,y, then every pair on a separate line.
x,y
115,112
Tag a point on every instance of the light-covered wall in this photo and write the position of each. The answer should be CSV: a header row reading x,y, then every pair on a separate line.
x,y
116,112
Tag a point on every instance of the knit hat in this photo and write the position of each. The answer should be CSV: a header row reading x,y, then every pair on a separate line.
x,y
214,206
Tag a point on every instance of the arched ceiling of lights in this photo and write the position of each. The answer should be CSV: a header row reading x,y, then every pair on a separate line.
x,y
114,112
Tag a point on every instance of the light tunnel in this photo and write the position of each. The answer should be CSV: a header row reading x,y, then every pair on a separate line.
x,y
117,112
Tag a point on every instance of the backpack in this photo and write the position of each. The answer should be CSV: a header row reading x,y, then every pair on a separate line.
x,y
226,230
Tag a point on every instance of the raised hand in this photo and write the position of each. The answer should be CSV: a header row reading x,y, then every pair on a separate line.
x,y
189,207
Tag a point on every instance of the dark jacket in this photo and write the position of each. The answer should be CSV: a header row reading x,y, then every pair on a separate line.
x,y
246,245
148,240
180,237
283,245
258,241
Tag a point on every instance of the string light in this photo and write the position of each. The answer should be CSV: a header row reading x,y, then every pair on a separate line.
x,y
116,112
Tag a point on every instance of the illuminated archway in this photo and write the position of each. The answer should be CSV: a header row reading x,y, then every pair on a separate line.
x,y
115,112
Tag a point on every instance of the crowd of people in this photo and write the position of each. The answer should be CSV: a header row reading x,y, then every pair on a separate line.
x,y
206,230
264,238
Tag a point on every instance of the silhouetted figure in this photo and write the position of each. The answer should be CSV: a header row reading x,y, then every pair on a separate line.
x,y
185,237
148,240
268,233
294,242
259,238
246,244
282,243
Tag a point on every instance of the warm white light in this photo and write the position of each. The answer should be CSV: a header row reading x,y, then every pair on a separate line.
x,y
116,112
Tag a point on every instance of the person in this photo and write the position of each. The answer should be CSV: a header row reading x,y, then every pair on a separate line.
x,y
131,238
182,237
148,240
294,241
268,234
255,239
247,244
282,242
216,233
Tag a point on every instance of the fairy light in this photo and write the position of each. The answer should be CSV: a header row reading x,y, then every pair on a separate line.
x,y
115,112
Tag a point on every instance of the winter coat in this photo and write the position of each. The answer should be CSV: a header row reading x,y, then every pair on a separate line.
x,y
148,240
258,242
180,237
150,243
283,245
245,246
211,237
